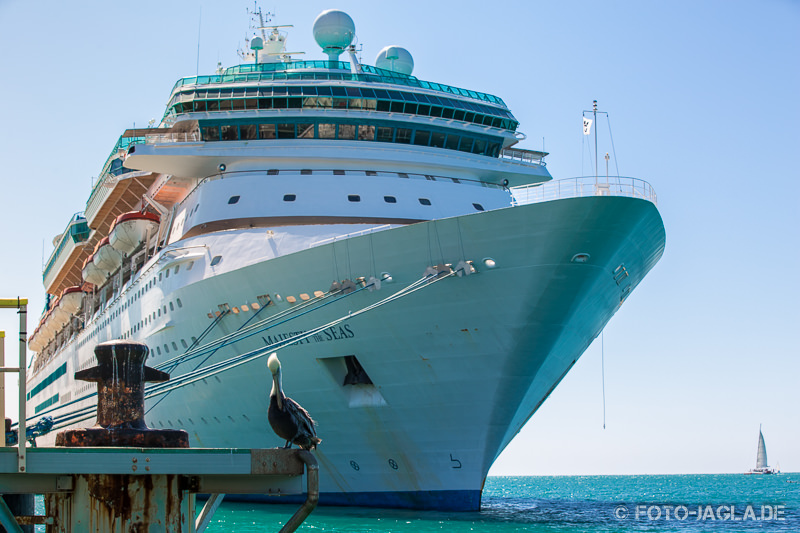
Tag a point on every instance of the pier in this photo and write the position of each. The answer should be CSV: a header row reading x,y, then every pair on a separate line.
x,y
120,475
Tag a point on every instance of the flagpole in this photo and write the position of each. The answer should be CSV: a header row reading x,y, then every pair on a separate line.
x,y
594,105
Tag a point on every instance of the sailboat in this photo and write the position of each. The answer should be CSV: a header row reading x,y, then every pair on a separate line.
x,y
761,458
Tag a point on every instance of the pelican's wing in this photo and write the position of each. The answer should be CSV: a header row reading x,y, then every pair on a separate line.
x,y
304,421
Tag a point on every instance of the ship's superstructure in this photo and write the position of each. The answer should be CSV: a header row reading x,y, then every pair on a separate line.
x,y
426,284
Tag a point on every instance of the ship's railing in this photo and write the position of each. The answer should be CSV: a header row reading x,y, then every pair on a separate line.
x,y
353,234
524,156
172,137
271,72
583,186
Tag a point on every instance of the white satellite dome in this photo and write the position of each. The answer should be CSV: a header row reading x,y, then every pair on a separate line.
x,y
334,31
395,58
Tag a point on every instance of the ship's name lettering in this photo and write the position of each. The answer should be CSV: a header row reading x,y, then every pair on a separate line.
x,y
333,333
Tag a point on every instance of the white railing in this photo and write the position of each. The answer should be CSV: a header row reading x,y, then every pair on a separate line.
x,y
523,156
158,138
585,186
353,234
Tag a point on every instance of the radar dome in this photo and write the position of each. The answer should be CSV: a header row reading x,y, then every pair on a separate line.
x,y
334,31
395,58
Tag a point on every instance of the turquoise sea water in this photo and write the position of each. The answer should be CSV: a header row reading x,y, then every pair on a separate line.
x,y
566,504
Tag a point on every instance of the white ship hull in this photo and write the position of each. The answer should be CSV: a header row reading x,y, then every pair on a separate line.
x,y
457,367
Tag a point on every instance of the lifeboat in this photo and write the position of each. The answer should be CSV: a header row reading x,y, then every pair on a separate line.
x,y
71,299
130,230
92,274
59,316
106,257
35,341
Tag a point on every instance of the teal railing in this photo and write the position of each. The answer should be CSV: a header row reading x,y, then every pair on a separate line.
x,y
283,71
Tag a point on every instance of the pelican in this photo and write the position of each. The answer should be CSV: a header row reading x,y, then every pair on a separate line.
x,y
288,420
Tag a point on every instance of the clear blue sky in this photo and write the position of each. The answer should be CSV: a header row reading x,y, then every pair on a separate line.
x,y
703,101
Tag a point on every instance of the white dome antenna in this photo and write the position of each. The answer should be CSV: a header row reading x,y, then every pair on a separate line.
x,y
396,59
334,31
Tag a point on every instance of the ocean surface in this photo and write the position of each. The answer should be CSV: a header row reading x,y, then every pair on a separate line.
x,y
685,503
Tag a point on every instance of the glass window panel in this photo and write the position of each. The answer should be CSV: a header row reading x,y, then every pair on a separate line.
x,y
353,92
381,93
338,91
347,131
356,103
447,112
295,91
285,131
266,131
305,131
327,131
324,91
210,133
395,95
279,90
340,103
309,102
251,103
469,117
237,105
397,107
324,102
458,114
279,103
390,199
239,91
199,106
452,142
424,109
466,144
385,134
295,103
367,92
403,136
366,133
309,91
383,105
479,146
422,137
225,93
370,104
212,93
410,108
437,139
435,111
248,131
229,133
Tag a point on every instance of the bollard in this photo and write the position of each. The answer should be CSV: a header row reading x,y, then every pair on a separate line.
x,y
121,502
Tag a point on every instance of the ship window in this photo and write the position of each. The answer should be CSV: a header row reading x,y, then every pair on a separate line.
x,y
237,105
159,276
266,131
305,131
347,131
353,198
327,131
286,131
466,144
390,199
479,147
215,261
436,111
233,200
166,273
159,311
458,114
366,133
383,105
370,173
447,113
190,265
385,134
273,172
210,133
166,349
305,171
229,133
437,139
403,136
397,107
402,175
171,307
174,346
158,350
478,207
422,137
424,201
289,197
452,142
280,103
183,343
248,131
177,268
338,172
178,301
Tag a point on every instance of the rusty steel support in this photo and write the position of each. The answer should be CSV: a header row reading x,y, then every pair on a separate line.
x,y
312,490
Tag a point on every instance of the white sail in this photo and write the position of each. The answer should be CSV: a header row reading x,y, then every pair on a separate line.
x,y
761,458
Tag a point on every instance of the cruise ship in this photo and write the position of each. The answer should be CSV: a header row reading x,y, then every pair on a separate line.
x,y
425,281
